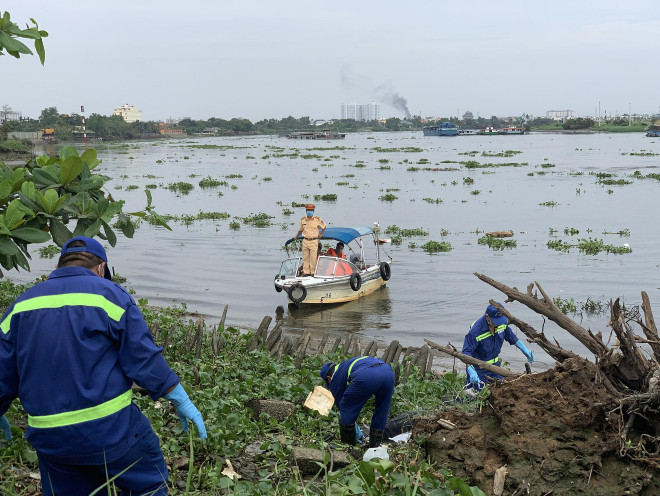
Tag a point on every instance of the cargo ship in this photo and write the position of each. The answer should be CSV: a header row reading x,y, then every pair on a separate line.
x,y
493,131
445,129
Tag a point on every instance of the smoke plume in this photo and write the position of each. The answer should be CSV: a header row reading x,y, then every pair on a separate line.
x,y
384,93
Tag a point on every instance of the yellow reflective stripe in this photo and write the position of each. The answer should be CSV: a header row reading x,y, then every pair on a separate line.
x,y
83,415
115,312
488,334
348,376
494,360
501,328
483,336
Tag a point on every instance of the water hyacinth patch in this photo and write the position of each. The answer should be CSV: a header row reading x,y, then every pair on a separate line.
x,y
497,243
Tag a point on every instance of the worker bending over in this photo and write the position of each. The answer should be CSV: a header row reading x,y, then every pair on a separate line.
x,y
352,383
71,348
484,342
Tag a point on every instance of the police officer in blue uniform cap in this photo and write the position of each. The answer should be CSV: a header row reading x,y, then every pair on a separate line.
x,y
484,342
71,348
352,383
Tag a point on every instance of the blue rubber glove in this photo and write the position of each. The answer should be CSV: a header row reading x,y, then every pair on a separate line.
x,y
472,374
359,435
5,427
186,410
526,352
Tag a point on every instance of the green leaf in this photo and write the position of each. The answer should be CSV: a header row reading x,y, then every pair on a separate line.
x,y
14,215
7,246
127,228
476,491
459,485
93,229
161,221
13,45
31,235
5,188
90,158
148,193
86,184
110,234
70,169
41,51
59,231
49,199
41,176
367,473
68,151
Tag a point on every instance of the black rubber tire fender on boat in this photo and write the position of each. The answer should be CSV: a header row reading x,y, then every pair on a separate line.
x,y
356,281
385,271
297,299
277,288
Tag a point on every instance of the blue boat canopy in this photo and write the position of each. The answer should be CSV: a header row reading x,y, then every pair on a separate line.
x,y
343,234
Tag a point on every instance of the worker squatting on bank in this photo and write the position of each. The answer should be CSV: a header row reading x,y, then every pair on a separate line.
x,y
309,228
352,383
71,348
484,342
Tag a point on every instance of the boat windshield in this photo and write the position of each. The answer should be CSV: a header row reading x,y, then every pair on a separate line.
x,y
331,266
290,267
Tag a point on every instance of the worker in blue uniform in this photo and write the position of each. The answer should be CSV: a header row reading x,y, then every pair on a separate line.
x,y
352,383
484,342
71,348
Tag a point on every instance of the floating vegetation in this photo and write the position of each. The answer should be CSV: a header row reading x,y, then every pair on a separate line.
x,y
435,201
436,246
473,164
234,225
384,167
471,153
497,243
475,192
468,180
151,186
332,148
423,161
641,153
342,183
614,182
412,169
326,197
589,246
406,233
209,182
549,204
623,232
267,179
234,176
358,165
218,147
188,219
639,175
287,211
310,156
505,153
181,187
49,251
547,166
389,197
578,173
383,161
406,149
571,231
261,219
131,187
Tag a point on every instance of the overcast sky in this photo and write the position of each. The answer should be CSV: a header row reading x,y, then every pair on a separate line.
x,y
269,59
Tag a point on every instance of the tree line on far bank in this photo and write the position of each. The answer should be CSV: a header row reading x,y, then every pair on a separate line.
x,y
114,127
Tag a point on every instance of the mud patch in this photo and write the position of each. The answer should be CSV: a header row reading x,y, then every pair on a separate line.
x,y
552,430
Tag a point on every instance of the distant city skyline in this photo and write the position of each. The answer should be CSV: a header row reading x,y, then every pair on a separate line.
x,y
218,59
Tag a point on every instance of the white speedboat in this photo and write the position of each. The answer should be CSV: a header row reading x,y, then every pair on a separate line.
x,y
337,280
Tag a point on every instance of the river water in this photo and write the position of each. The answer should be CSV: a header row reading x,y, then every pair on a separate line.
x,y
207,265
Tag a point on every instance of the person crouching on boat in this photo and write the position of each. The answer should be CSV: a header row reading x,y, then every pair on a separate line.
x,y
309,228
337,251
352,383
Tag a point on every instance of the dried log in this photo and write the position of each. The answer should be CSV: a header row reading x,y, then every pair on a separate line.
x,y
324,340
274,336
302,349
473,361
648,326
260,333
336,345
224,316
199,338
545,306
556,352
397,354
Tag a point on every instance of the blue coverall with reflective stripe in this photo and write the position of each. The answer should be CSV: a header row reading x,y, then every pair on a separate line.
x,y
479,343
369,377
59,356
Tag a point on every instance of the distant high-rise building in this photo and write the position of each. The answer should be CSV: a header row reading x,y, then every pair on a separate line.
x,y
129,113
361,112
559,115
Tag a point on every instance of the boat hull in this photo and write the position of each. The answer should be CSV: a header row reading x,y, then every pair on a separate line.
x,y
331,290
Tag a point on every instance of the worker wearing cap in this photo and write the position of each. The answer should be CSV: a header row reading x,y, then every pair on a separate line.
x,y
310,225
71,348
484,342
352,383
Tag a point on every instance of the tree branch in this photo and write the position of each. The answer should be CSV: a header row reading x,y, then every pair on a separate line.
x,y
473,361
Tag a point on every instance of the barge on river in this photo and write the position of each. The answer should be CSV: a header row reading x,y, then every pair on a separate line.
x,y
336,280
325,134
496,131
445,129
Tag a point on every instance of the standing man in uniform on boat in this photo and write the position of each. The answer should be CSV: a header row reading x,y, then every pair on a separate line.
x,y
71,348
484,342
309,228
352,383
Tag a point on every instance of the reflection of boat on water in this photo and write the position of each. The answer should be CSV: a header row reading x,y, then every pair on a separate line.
x,y
496,131
336,280
325,134
445,129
